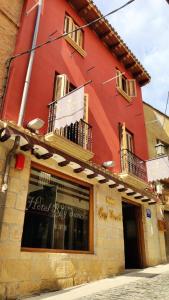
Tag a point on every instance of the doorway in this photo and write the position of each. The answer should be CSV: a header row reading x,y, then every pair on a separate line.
x,y
132,235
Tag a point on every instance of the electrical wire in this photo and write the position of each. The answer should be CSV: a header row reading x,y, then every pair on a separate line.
x,y
165,113
75,30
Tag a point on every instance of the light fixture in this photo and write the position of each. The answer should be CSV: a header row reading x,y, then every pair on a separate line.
x,y
159,188
35,124
160,149
108,164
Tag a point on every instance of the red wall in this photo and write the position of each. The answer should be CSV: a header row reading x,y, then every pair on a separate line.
x,y
106,107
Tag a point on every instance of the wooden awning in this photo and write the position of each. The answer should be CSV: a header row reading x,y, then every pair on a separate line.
x,y
42,149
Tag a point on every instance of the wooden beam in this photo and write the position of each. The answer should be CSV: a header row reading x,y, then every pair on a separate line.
x,y
26,147
103,181
142,82
91,176
131,193
145,200
63,163
121,56
113,185
139,197
128,66
46,155
79,170
103,35
112,47
121,190
135,74
83,8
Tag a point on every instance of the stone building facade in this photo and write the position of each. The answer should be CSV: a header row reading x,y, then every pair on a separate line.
x,y
27,271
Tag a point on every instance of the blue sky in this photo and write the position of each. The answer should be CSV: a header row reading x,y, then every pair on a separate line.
x,y
144,27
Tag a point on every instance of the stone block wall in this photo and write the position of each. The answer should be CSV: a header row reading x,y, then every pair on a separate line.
x,y
25,273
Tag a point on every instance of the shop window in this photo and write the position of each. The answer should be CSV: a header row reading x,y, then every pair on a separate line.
x,y
76,38
126,87
58,213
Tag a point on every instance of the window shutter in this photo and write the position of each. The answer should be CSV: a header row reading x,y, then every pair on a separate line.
x,y
61,86
73,27
86,107
79,37
119,79
132,92
68,24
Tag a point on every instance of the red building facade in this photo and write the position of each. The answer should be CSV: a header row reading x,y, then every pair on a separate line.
x,y
107,106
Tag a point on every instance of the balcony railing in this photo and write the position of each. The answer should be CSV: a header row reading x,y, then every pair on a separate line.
x,y
79,132
130,163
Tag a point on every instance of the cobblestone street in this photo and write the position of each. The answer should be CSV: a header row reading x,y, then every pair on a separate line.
x,y
148,288
147,284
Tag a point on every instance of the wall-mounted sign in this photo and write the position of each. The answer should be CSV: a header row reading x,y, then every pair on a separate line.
x,y
106,214
148,213
110,201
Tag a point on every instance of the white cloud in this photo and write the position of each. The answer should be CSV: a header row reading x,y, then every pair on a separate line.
x,y
144,27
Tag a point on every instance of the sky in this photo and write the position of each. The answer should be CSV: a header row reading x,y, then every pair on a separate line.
x,y
144,27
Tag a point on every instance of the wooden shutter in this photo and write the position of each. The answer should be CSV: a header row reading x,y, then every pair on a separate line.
x,y
68,26
86,107
118,79
130,142
61,86
79,37
73,34
132,92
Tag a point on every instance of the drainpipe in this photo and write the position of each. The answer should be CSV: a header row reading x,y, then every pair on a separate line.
x,y
29,69
23,102
10,154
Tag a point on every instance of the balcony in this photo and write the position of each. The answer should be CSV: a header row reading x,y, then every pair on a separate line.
x,y
133,165
75,138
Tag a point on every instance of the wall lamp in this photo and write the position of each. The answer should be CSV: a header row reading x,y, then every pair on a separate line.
x,y
108,164
35,124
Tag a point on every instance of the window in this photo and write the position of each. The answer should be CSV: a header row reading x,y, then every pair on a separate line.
x,y
76,39
126,87
130,141
58,213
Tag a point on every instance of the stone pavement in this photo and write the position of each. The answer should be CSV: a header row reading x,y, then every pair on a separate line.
x,y
147,284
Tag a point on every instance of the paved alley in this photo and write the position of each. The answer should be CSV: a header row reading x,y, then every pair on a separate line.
x,y
147,284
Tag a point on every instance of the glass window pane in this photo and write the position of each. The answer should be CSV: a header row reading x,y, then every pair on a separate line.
x,y
57,213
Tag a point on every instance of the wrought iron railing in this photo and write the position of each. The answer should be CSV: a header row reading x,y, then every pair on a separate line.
x,y
130,163
79,132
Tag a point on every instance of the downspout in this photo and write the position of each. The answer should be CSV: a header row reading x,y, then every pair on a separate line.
x,y
12,152
7,164
29,69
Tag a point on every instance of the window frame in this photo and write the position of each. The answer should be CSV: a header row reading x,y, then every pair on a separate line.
x,y
129,83
72,41
91,212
